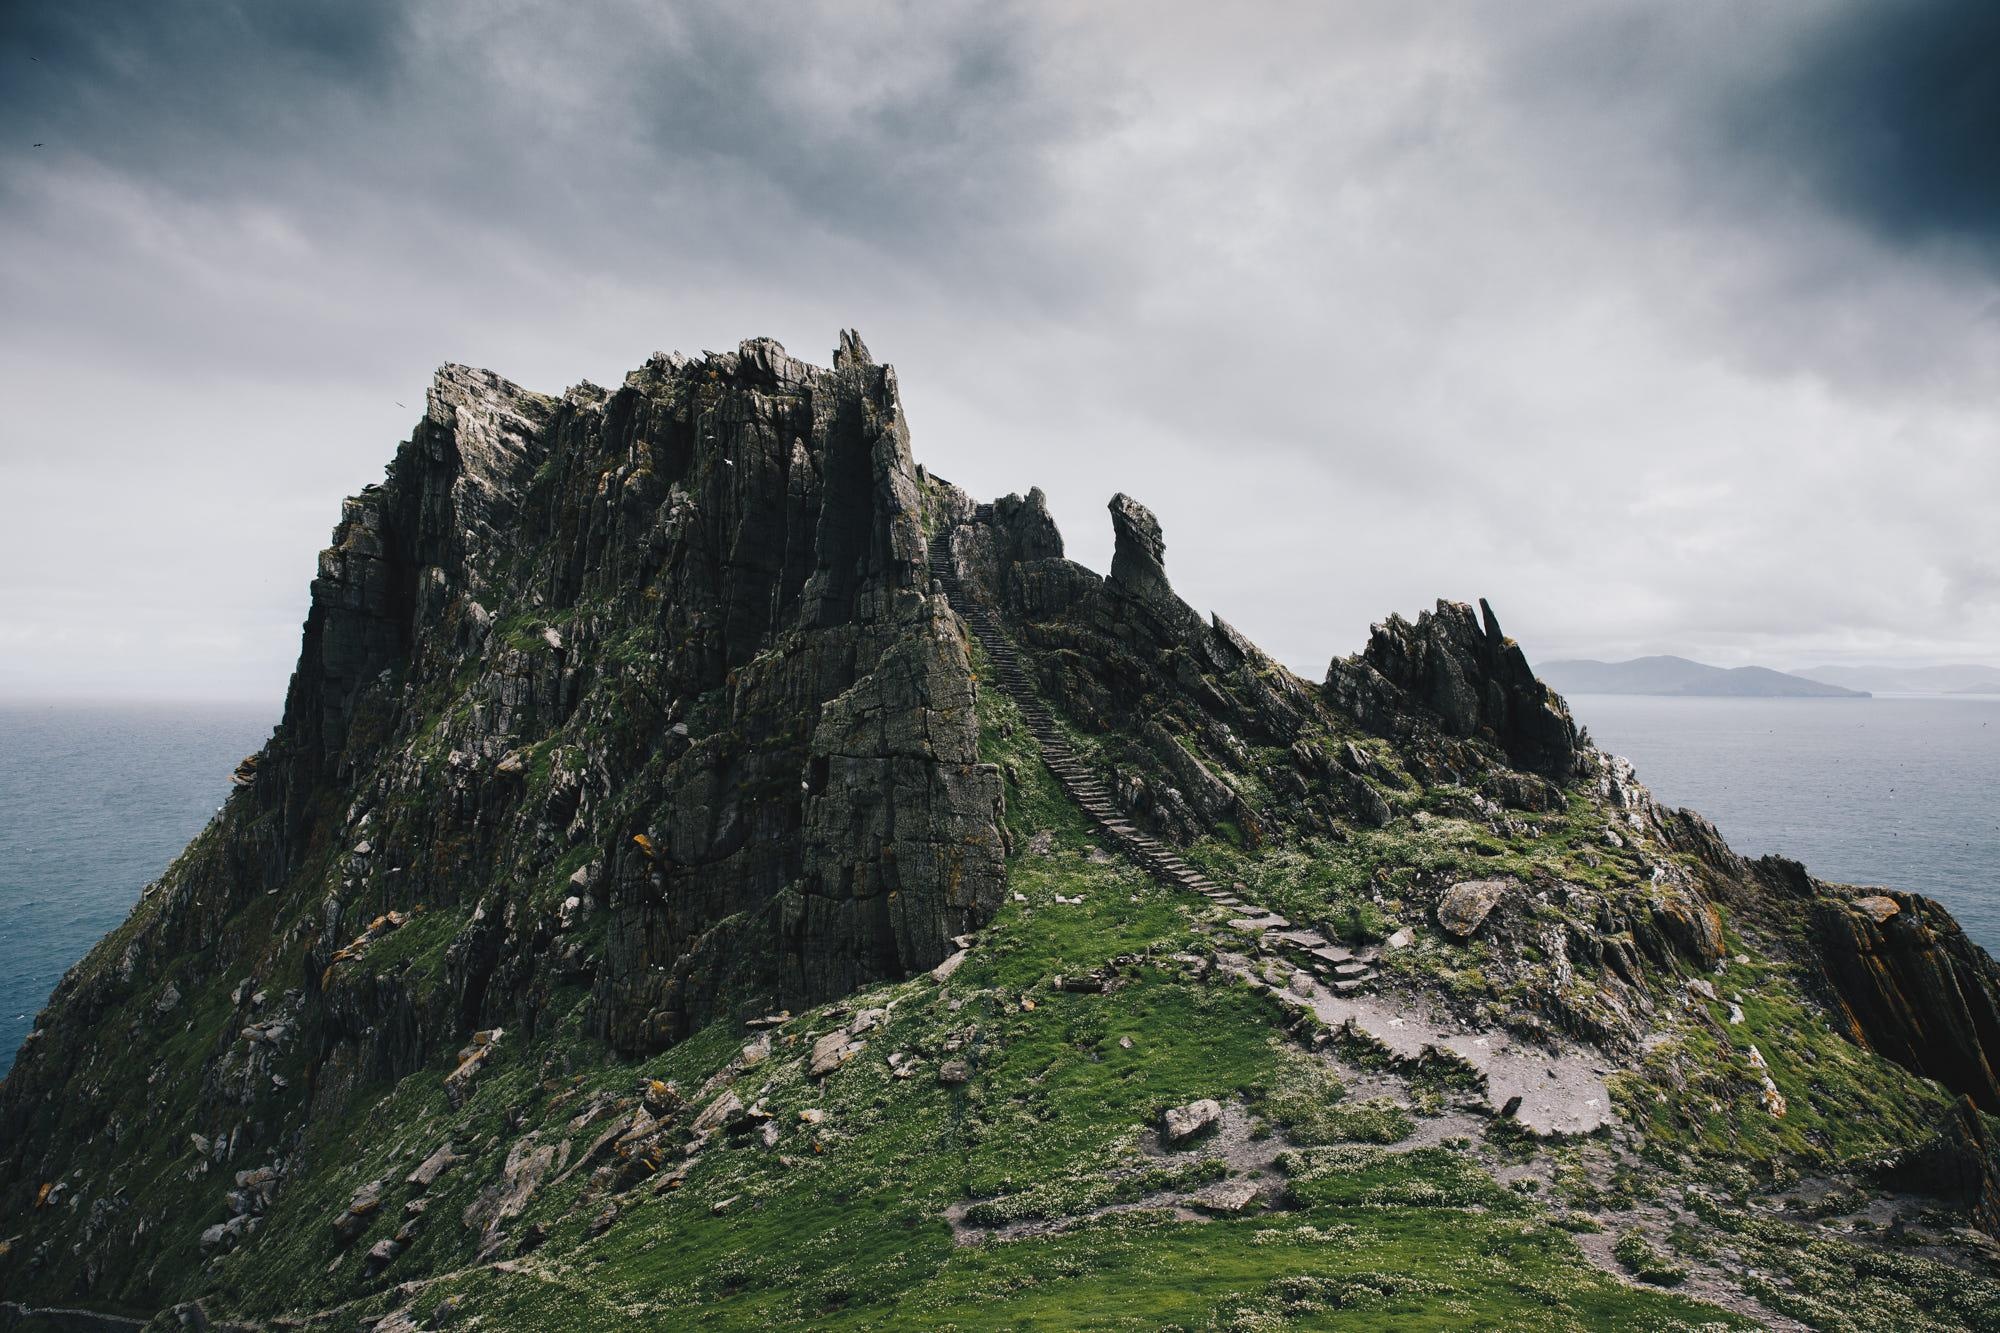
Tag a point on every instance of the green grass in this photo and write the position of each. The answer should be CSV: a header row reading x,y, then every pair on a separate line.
x,y
842,1225
1642,1261
1698,1093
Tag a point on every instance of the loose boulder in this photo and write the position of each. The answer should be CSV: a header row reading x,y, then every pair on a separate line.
x,y
1181,1123
1466,905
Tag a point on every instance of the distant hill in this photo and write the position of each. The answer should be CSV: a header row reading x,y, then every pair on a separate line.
x,y
1678,675
1964,678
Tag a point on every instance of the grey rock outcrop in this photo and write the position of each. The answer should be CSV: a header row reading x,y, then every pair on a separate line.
x,y
1181,1123
1909,983
1466,905
1468,677
1139,555
670,646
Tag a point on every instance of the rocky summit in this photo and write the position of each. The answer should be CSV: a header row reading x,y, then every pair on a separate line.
x,y
712,872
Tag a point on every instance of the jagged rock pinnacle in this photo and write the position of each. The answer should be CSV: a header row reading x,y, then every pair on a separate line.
x,y
1138,560
852,352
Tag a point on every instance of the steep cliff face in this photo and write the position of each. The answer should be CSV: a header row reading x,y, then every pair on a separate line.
x,y
685,658
639,691
654,893
1906,981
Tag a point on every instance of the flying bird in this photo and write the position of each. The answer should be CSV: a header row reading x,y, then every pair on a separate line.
x,y
400,405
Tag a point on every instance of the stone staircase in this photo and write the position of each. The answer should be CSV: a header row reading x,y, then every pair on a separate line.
x,y
1547,1092
1345,970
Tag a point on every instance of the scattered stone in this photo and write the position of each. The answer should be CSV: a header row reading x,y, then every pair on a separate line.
x,y
381,1254
226,1236
942,972
168,999
662,1099
432,1167
1181,1123
354,1220
1878,907
1226,1196
642,1126
721,1112
1702,987
1402,939
471,1059
831,1052
527,1162
1301,985
1466,905
953,1072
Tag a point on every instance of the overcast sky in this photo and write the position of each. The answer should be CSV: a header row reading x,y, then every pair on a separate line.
x,y
1669,328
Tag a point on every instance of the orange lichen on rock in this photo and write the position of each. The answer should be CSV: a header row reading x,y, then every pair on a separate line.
x,y
1878,906
380,926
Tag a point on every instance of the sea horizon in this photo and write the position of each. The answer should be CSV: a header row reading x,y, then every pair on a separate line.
x,y
98,800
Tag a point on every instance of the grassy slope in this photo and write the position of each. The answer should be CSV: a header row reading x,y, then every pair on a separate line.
x,y
842,1226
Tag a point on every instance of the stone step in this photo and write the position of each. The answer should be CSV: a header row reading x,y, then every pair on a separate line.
x,y
1077,780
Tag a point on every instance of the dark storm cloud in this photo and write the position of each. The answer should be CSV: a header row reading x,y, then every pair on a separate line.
x,y
1892,113
892,123
490,153
949,142
1590,307
179,90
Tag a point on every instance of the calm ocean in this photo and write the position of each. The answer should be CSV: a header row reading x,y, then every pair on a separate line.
x,y
1896,791
95,801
